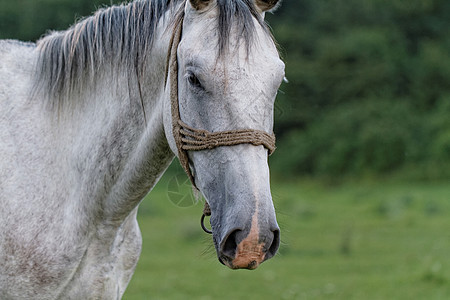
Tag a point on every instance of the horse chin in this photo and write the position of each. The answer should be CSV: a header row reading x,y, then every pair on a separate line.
x,y
241,263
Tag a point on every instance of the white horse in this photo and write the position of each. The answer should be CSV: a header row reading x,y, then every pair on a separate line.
x,y
86,131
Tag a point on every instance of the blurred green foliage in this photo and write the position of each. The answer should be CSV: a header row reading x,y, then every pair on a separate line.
x,y
30,19
368,90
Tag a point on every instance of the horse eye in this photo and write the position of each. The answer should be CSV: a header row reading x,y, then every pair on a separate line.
x,y
193,80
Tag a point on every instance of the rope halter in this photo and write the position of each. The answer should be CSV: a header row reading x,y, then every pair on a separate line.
x,y
188,138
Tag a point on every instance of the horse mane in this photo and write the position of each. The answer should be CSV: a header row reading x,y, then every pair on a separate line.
x,y
118,36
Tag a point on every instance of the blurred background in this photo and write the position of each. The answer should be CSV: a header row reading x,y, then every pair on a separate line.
x,y
362,170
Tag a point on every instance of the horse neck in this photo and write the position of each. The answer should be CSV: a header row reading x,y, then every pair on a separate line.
x,y
116,135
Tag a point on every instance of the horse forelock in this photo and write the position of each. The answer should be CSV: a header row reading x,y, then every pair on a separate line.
x,y
240,15
122,37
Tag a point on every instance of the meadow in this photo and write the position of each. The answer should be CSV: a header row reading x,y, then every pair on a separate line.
x,y
385,239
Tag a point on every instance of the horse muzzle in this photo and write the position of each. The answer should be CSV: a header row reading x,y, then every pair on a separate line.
x,y
247,249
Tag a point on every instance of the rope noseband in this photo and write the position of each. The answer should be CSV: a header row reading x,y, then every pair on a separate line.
x,y
188,138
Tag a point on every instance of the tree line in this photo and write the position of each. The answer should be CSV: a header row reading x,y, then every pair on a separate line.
x,y
369,87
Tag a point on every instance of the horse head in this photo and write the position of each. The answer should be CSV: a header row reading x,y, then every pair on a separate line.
x,y
226,75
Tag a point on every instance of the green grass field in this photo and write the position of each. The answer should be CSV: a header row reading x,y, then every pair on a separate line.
x,y
376,240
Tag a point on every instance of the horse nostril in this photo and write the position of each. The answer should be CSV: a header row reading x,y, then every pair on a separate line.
x,y
230,245
229,249
275,244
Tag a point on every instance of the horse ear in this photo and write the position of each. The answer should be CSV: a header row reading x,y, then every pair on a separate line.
x,y
265,5
199,4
